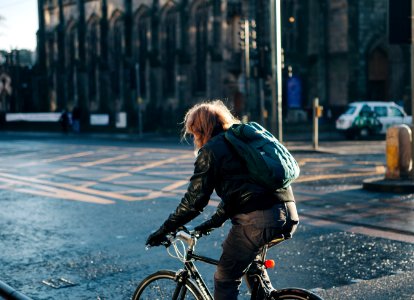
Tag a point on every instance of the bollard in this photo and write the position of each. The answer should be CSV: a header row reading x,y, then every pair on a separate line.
x,y
317,113
398,152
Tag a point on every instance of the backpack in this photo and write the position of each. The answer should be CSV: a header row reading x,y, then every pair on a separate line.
x,y
269,163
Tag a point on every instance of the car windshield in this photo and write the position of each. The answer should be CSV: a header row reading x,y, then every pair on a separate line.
x,y
350,110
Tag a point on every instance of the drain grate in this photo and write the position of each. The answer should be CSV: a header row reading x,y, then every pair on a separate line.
x,y
58,283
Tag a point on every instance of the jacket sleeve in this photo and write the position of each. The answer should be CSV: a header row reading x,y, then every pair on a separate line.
x,y
198,193
216,220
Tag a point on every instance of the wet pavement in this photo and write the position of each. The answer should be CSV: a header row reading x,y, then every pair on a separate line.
x,y
81,209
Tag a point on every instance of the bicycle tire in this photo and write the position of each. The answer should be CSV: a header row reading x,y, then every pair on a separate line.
x,y
293,294
161,285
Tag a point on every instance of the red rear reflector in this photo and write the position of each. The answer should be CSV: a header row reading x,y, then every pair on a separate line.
x,y
269,264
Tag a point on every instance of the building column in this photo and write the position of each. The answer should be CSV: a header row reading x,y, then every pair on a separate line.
x,y
61,100
183,86
40,80
214,66
104,79
323,59
83,101
128,69
155,92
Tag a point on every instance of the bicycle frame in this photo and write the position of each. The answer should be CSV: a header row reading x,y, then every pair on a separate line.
x,y
191,271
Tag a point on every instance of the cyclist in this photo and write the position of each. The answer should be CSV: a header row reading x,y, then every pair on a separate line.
x,y
257,215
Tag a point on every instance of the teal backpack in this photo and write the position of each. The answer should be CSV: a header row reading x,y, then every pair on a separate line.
x,y
269,163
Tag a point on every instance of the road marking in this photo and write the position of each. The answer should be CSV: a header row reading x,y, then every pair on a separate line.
x,y
336,176
52,192
58,158
166,191
115,176
48,184
175,185
159,163
104,160
65,170
390,235
88,184
145,167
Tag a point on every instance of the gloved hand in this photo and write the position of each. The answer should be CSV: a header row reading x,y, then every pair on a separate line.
x,y
205,228
216,220
157,238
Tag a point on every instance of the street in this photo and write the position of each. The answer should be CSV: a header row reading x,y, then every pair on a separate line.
x,y
81,209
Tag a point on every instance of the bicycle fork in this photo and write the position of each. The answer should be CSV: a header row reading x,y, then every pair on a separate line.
x,y
182,276
181,289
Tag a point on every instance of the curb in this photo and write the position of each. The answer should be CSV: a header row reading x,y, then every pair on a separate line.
x,y
401,186
9,293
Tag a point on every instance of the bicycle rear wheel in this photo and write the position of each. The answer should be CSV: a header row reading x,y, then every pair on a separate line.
x,y
294,294
162,285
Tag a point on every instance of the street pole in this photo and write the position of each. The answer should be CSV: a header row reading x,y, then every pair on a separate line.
x,y
247,60
275,31
412,89
139,100
315,124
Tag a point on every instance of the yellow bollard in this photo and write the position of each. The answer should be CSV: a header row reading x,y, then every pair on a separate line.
x,y
398,152
392,154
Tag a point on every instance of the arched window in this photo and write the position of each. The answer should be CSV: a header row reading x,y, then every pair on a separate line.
x,y
92,52
169,51
378,75
201,43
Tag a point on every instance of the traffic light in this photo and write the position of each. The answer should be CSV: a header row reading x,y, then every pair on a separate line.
x,y
253,34
399,21
242,35
318,111
247,33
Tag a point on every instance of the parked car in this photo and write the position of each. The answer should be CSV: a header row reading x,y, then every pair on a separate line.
x,y
366,118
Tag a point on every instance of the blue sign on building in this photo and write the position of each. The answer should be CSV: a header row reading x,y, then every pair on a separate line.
x,y
294,92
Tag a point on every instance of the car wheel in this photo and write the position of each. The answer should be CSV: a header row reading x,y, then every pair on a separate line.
x,y
350,134
364,132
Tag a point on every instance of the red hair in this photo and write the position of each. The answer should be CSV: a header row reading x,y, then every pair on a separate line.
x,y
205,118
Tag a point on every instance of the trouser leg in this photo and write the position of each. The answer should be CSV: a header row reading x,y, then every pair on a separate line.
x,y
239,250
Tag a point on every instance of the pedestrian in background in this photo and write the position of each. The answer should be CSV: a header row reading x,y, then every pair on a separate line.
x,y
76,116
257,215
64,121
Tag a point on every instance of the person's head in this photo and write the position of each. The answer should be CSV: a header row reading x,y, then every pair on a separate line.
x,y
206,119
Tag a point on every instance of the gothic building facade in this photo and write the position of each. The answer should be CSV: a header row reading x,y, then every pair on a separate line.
x,y
152,59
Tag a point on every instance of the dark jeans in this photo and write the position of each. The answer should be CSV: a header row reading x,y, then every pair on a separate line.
x,y
249,233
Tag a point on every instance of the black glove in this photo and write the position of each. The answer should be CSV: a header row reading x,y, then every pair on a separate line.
x,y
157,238
204,228
216,220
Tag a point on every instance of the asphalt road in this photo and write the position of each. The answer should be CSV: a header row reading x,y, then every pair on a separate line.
x,y
81,208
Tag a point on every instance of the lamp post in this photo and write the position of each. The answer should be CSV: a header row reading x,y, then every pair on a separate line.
x,y
245,47
276,44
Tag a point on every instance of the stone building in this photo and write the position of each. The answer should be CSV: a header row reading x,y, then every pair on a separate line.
x,y
152,59
339,50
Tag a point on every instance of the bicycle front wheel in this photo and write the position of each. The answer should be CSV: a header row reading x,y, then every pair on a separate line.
x,y
162,285
294,294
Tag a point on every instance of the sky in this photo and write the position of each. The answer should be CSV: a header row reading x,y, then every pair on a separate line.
x,y
19,24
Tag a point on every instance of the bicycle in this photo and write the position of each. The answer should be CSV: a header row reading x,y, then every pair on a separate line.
x,y
187,283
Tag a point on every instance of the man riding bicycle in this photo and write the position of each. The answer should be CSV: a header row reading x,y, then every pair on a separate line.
x,y
257,214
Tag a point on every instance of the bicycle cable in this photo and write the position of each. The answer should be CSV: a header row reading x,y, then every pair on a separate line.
x,y
180,255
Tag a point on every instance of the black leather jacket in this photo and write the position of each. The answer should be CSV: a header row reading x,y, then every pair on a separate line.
x,y
218,167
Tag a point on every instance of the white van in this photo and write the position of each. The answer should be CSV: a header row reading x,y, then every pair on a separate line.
x,y
364,118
